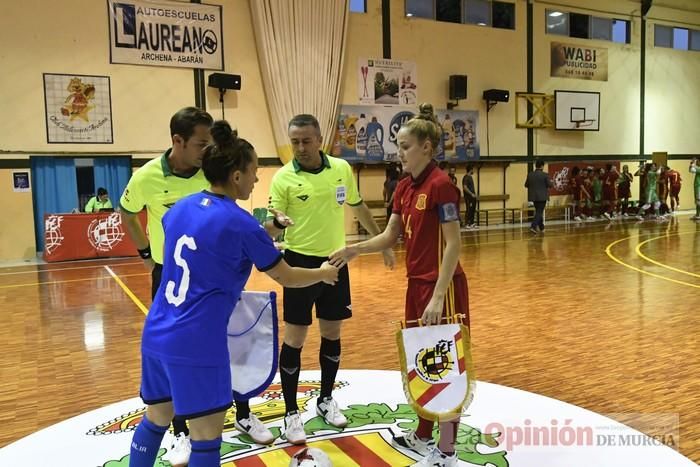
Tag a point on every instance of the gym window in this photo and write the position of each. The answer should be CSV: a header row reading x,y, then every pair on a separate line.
x,y
582,26
493,13
358,6
676,38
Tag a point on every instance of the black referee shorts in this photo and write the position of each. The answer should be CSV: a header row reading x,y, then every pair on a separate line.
x,y
332,301
155,279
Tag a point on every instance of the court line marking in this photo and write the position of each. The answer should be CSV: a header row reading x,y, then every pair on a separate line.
x,y
127,291
608,251
638,250
37,271
29,284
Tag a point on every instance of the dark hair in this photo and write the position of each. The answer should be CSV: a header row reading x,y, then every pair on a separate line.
x,y
391,173
425,126
304,120
227,154
575,171
101,191
608,167
539,163
184,121
442,165
470,167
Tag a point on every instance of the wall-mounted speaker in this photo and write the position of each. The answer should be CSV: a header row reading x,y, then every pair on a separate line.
x,y
224,81
458,87
496,95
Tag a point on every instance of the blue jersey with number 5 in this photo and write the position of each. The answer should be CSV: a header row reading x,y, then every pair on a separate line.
x,y
211,245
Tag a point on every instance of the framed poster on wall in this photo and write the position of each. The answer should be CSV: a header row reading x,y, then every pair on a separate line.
x,y
367,133
78,109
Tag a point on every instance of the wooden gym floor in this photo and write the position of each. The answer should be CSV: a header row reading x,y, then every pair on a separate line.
x,y
603,316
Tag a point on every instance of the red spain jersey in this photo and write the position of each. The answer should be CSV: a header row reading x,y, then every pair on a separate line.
x,y
611,179
674,177
424,204
574,185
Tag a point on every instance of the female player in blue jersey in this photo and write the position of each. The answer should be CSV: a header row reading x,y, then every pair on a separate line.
x,y
210,247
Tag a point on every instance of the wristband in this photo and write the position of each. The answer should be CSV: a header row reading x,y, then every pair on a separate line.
x,y
145,253
277,224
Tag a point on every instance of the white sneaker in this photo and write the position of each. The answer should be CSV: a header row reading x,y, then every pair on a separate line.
x,y
607,215
329,410
253,427
294,429
438,459
412,442
577,218
180,450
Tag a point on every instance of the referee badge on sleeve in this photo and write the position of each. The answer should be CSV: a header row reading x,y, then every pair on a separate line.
x,y
340,194
449,212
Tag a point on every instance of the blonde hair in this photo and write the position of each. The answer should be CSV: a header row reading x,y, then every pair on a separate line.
x,y
425,126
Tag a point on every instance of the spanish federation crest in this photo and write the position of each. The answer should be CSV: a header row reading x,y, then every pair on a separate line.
x,y
340,194
436,369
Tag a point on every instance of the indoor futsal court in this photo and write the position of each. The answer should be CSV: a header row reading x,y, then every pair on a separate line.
x,y
599,316
551,145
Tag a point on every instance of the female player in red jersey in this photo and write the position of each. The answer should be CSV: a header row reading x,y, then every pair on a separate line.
x,y
426,213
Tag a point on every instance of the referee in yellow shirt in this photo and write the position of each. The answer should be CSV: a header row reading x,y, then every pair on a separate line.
x,y
312,190
99,201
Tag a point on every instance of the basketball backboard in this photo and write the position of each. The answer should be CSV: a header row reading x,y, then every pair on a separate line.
x,y
577,110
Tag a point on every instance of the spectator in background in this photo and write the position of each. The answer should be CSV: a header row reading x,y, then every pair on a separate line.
x,y
470,198
99,201
392,179
451,173
538,185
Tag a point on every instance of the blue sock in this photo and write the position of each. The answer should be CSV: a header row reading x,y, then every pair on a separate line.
x,y
145,443
205,453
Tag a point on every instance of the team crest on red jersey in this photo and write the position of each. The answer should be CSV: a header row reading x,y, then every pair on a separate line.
x,y
421,202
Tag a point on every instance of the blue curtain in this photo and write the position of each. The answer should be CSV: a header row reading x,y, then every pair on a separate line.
x,y
55,189
112,173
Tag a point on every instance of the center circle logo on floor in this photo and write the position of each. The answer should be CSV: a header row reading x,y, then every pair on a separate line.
x,y
504,427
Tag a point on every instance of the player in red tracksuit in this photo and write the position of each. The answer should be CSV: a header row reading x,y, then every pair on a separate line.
x,y
610,191
674,184
586,198
426,213
575,185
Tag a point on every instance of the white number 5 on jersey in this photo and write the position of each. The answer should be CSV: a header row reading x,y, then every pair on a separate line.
x,y
180,261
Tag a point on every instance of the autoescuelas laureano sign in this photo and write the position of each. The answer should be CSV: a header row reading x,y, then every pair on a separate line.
x,y
172,34
574,61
